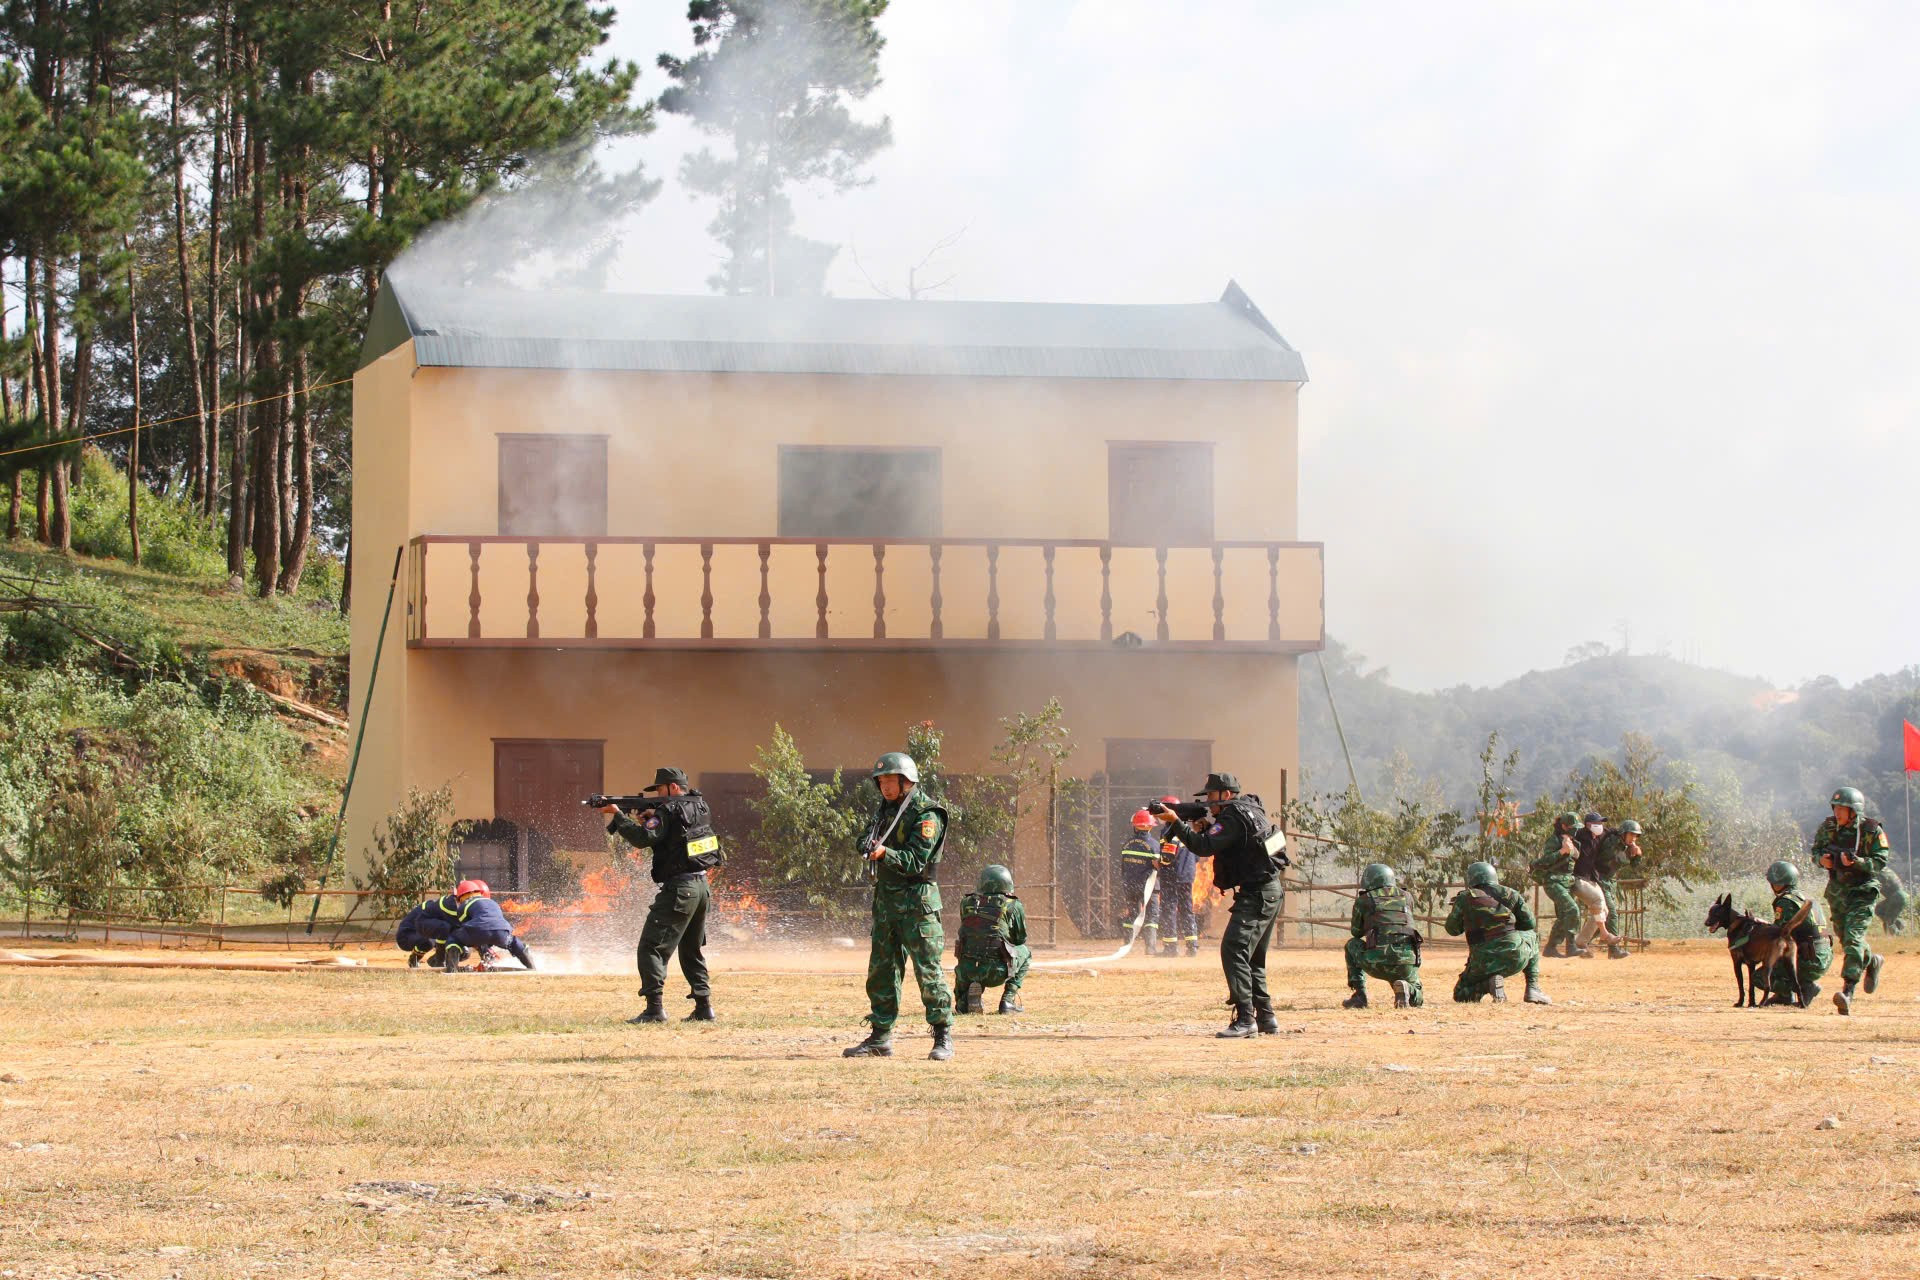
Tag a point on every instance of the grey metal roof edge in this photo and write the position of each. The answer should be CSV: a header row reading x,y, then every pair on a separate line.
x,y
452,350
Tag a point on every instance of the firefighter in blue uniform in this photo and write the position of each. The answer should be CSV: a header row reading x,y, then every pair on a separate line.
x,y
1139,859
423,931
1179,923
481,925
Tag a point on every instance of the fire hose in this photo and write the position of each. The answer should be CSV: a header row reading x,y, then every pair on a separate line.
x,y
1133,935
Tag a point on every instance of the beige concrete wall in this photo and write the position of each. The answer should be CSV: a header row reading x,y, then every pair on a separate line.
x,y
382,481
710,711
1021,458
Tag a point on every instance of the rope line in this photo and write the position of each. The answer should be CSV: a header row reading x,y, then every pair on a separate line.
x,y
163,422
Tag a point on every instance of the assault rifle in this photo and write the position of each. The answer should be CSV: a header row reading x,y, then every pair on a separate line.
x,y
1186,811
626,804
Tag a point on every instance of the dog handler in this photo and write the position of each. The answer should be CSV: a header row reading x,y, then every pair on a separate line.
x,y
1798,975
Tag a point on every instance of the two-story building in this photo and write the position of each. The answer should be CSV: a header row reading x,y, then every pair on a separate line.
x,y
642,530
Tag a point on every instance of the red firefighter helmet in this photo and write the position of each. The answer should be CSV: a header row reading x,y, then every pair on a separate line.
x,y
1142,820
467,888
1169,799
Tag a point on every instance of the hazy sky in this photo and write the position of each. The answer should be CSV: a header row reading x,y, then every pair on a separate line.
x,y
1612,311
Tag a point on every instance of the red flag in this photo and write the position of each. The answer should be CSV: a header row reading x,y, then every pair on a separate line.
x,y
1913,746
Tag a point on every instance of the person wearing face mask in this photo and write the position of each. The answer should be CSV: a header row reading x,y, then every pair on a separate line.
x,y
1595,867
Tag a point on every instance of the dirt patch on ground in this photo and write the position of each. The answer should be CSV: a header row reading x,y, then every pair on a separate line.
x,y
373,1122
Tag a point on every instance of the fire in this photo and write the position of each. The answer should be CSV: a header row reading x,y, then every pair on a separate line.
x,y
600,894
1202,885
740,907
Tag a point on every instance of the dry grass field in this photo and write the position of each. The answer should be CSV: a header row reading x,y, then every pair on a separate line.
x,y
381,1123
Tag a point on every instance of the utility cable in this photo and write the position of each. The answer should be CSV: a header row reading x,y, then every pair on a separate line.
x,y
64,441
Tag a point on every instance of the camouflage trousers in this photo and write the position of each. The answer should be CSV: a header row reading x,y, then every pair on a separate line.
x,y
994,973
1396,962
1809,962
1566,911
903,931
1502,957
1616,919
1851,910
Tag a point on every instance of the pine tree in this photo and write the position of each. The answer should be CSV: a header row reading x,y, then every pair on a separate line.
x,y
775,78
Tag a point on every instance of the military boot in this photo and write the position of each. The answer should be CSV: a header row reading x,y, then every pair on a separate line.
x,y
970,998
1843,1000
1263,1018
1535,995
942,1050
654,1012
878,1044
702,1010
1241,1028
1497,988
1871,981
1010,1002
1618,951
1402,993
1808,994
1358,1000
1580,952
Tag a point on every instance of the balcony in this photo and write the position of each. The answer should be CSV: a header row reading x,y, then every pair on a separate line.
x,y
554,592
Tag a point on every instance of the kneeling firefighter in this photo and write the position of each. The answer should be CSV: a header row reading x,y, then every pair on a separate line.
x,y
481,925
992,946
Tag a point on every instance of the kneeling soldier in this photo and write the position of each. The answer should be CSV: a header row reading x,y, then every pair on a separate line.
x,y
992,945
1385,944
902,844
1796,975
482,924
1500,938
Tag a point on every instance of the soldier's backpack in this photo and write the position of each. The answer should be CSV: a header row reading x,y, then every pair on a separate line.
x,y
984,924
1391,921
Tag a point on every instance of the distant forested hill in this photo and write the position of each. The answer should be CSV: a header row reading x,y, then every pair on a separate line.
x,y
1749,744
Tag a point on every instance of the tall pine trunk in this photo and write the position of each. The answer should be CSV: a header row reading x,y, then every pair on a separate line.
x,y
37,375
133,451
196,367
6,411
211,490
60,524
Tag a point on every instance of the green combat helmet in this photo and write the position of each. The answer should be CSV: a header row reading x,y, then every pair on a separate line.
x,y
1629,828
995,878
1481,875
1783,875
896,762
1567,820
1378,875
1850,797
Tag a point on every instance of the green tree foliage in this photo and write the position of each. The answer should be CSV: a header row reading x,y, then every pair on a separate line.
x,y
775,78
806,826
1659,795
412,852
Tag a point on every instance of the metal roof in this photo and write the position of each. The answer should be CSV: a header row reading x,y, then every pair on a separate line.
x,y
1227,340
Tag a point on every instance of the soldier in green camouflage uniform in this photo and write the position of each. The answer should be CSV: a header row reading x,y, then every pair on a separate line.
x,y
1500,937
1853,849
1796,977
1553,871
1385,944
903,846
992,946
1893,902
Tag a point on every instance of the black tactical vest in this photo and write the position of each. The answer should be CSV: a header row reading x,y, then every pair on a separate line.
x,y
689,845
983,925
1247,863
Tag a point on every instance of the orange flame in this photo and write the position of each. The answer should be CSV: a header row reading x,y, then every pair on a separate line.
x,y
1202,885
740,906
600,894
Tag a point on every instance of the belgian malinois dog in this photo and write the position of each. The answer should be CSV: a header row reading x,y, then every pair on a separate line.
x,y
1755,946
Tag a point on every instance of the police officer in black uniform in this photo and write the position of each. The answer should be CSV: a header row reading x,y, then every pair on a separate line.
x,y
678,827
1248,854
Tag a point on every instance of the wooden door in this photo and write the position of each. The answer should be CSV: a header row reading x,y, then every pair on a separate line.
x,y
1160,495
538,784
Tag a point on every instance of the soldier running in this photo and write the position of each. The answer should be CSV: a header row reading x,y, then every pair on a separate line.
x,y
1500,938
1853,849
902,844
992,946
1385,943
